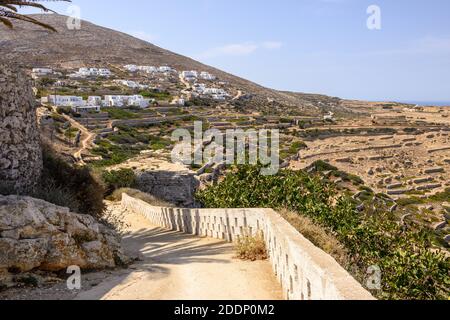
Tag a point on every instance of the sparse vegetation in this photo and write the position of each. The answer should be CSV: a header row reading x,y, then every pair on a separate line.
x,y
251,248
123,178
68,186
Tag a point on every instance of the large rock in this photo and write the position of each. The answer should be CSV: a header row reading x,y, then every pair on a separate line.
x,y
38,235
20,151
175,187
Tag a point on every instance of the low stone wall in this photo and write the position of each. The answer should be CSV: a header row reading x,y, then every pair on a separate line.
x,y
304,271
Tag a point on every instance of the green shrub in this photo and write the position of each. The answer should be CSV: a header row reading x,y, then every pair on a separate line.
x,y
65,185
123,178
410,269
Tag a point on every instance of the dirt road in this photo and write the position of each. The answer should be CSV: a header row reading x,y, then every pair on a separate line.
x,y
179,266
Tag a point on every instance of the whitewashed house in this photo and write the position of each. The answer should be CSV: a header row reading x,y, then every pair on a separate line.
x,y
189,75
164,69
207,76
92,72
218,97
179,101
94,100
66,101
124,101
138,101
104,73
214,91
199,88
131,84
131,67
41,72
86,109
114,101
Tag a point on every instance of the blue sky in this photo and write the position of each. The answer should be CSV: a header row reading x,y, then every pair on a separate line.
x,y
317,46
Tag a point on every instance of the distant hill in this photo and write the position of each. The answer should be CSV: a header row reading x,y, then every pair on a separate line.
x,y
94,45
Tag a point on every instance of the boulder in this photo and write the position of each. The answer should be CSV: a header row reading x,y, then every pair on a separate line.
x,y
37,235
174,187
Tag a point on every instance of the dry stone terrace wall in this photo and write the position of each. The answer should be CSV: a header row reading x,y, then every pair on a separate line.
x,y
20,151
304,271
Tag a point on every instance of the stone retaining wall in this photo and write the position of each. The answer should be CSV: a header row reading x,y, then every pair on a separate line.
x,y
20,150
304,271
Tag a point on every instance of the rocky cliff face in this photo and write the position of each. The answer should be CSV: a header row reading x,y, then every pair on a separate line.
x,y
174,187
20,151
37,235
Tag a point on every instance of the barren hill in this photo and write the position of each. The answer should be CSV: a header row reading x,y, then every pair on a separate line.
x,y
95,45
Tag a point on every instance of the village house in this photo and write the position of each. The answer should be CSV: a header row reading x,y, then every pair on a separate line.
x,y
179,101
94,100
123,101
189,75
86,109
131,67
164,69
207,76
131,84
212,91
66,101
199,87
91,72
41,72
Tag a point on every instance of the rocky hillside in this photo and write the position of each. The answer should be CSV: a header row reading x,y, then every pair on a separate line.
x,y
95,45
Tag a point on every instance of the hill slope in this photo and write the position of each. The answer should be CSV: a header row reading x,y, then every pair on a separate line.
x,y
95,45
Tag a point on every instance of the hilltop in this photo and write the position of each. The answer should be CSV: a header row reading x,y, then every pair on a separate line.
x,y
96,45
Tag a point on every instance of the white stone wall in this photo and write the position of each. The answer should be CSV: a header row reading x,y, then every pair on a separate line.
x,y
304,271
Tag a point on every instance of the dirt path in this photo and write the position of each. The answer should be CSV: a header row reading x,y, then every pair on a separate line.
x,y
179,266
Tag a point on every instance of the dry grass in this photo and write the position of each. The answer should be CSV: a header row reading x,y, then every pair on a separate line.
x,y
251,248
318,236
117,196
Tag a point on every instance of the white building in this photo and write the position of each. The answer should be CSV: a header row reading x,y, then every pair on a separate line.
x,y
130,101
114,101
86,109
214,91
131,67
218,97
179,101
138,101
92,72
66,101
39,72
163,69
94,100
189,75
199,87
131,84
149,69
207,76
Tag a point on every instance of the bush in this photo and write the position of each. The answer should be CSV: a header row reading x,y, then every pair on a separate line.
x,y
123,178
69,186
251,248
410,269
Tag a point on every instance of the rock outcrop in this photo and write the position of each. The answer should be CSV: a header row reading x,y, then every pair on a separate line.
x,y
37,235
20,151
174,187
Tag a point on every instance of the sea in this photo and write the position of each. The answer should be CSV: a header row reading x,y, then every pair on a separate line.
x,y
429,103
